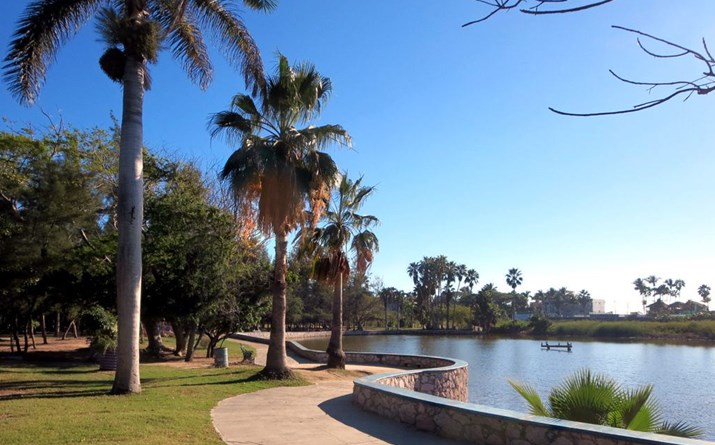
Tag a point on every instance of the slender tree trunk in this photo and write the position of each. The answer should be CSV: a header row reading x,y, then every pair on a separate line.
x,y
336,355
16,336
31,328
43,326
276,366
130,214
69,326
180,335
447,301
191,344
58,321
27,340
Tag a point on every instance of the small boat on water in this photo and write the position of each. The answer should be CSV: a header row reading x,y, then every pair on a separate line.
x,y
549,346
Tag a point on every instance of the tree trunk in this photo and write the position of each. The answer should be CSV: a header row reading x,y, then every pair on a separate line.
x,y
276,367
43,326
27,343
130,214
16,336
31,327
336,355
191,344
153,335
180,336
58,321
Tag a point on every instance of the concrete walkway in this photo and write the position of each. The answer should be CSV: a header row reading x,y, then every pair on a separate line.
x,y
318,414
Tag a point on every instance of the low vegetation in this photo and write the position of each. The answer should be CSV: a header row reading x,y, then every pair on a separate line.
x,y
69,403
671,329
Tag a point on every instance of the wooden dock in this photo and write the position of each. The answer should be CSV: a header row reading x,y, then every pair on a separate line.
x,y
558,345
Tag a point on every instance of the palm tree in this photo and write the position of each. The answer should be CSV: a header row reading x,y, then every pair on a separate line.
x,y
471,278
513,279
653,281
643,290
597,399
281,169
388,295
134,31
345,229
704,292
584,299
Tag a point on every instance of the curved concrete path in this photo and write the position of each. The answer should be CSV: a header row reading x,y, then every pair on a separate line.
x,y
318,414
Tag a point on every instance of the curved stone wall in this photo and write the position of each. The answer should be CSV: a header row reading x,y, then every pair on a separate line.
x,y
433,398
438,376
386,395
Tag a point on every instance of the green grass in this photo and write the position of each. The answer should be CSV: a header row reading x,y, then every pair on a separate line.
x,y
54,404
673,329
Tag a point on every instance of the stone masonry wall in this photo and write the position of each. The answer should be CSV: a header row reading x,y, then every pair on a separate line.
x,y
441,377
486,425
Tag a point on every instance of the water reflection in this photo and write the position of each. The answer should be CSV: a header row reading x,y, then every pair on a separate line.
x,y
682,374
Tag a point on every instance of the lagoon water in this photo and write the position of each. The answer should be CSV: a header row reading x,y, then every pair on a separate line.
x,y
683,376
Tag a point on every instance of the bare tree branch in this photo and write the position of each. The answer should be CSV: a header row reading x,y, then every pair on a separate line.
x,y
506,5
702,85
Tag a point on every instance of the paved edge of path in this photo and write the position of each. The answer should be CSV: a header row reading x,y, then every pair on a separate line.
x,y
318,414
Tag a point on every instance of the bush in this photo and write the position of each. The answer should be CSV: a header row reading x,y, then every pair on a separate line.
x,y
100,325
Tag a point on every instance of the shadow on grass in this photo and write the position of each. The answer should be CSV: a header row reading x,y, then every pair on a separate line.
x,y
253,378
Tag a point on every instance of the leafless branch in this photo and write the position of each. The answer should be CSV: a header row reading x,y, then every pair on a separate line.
x,y
506,5
702,85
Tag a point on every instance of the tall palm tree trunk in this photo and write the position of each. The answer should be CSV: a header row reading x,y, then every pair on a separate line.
x,y
336,355
276,359
131,211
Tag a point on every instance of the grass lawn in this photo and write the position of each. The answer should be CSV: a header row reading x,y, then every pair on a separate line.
x,y
51,403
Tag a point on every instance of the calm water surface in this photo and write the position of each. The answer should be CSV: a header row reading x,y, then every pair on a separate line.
x,y
683,376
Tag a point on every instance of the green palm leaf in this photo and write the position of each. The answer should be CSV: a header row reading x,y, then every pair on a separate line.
x,y
44,27
597,399
528,392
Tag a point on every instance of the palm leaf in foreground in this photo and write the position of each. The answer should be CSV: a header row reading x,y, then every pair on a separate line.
x,y
598,399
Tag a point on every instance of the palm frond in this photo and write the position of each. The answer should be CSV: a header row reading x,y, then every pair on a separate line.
x,y
584,397
364,220
43,28
234,125
187,44
365,244
636,411
321,137
528,392
235,42
261,5
680,429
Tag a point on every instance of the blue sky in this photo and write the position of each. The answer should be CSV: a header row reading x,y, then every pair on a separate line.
x,y
451,125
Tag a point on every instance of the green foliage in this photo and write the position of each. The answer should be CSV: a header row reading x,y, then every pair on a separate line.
x,y
438,283
598,399
50,199
101,326
703,329
539,325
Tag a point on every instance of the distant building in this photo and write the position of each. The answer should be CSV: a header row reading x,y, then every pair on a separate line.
x,y
690,307
598,306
